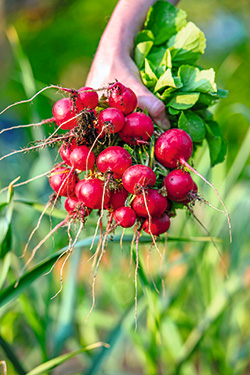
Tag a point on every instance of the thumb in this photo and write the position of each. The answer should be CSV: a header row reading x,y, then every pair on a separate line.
x,y
154,106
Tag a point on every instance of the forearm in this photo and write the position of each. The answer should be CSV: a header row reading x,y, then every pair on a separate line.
x,y
114,61
125,22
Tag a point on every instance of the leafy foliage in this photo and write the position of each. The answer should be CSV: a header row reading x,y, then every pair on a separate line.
x,y
201,319
166,53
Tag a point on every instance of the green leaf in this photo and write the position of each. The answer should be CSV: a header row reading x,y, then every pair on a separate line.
x,y
149,71
166,61
5,224
187,45
3,205
167,80
173,111
56,213
205,101
148,75
49,365
147,81
194,79
216,143
221,94
182,101
193,125
167,95
143,44
164,20
6,242
156,56
5,265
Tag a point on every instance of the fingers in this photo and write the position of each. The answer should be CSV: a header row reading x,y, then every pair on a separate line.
x,y
127,73
154,106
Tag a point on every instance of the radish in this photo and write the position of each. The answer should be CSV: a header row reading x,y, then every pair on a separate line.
x,y
122,97
71,203
191,196
82,158
125,217
66,149
114,159
137,178
112,119
178,184
155,204
74,206
157,225
173,147
86,98
138,128
66,109
93,193
63,181
117,199
63,112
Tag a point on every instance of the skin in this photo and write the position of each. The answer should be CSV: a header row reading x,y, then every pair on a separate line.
x,y
113,58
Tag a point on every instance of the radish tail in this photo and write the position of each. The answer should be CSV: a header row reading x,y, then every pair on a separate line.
x,y
185,163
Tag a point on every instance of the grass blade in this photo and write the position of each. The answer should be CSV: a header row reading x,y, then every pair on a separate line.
x,y
11,293
214,310
65,322
56,213
12,356
49,365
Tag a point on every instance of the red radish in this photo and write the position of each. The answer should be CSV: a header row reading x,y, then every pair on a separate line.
x,y
63,181
175,147
112,119
82,158
87,98
71,203
125,217
138,177
158,225
172,147
178,184
117,199
64,113
191,196
66,149
115,159
74,206
123,98
138,128
91,193
65,109
155,204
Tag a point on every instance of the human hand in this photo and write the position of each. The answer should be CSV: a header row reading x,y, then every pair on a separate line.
x,y
113,59
106,69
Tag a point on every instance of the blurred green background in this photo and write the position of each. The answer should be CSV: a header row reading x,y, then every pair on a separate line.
x,y
199,322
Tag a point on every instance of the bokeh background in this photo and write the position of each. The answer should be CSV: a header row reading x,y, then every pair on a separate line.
x,y
198,323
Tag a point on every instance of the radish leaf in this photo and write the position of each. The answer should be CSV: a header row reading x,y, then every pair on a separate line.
x,y
164,20
187,45
193,125
194,79
216,142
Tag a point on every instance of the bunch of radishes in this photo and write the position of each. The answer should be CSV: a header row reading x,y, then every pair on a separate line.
x,y
102,144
